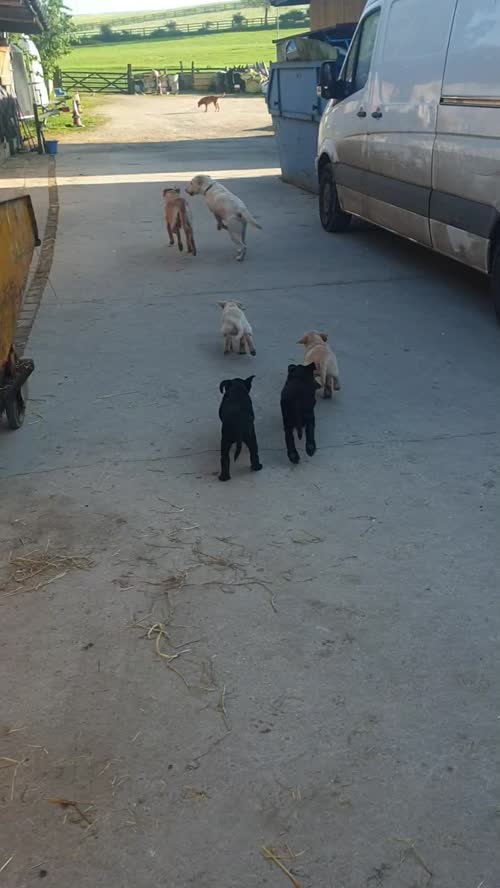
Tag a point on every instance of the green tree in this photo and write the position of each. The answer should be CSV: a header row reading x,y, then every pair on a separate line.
x,y
106,32
294,17
239,20
56,39
171,25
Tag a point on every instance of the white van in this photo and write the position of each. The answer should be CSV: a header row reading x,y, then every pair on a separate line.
x,y
411,137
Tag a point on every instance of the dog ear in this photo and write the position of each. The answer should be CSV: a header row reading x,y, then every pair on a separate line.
x,y
291,367
302,340
324,337
248,382
225,385
222,304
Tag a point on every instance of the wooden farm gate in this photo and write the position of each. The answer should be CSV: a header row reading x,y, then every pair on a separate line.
x,y
95,81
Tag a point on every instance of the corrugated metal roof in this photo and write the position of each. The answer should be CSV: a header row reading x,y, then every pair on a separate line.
x,y
21,17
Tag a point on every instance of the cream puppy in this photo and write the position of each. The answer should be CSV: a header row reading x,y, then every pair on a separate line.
x,y
235,329
327,371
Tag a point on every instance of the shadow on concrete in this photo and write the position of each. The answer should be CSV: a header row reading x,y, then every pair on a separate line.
x,y
294,212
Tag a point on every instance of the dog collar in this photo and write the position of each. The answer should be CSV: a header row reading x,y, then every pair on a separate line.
x,y
208,189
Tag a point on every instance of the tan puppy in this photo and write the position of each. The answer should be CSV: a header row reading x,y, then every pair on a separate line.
x,y
210,100
235,329
178,217
327,371
230,212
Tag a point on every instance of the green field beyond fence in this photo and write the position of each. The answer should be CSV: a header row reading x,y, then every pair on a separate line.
x,y
223,50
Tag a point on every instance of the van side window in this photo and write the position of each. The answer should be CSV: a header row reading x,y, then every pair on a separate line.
x,y
360,53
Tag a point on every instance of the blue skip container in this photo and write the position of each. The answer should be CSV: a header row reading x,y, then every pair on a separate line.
x,y
51,146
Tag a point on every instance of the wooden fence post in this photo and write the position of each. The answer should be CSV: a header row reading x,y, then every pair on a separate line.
x,y
130,80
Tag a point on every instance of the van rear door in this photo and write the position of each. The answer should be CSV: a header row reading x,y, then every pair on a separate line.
x,y
403,107
465,204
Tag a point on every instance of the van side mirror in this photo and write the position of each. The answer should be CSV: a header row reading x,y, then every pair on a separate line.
x,y
330,86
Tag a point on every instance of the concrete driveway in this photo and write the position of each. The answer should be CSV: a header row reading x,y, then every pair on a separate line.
x,y
335,626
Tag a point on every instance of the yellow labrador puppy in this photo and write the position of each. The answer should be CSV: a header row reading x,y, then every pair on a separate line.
x,y
327,371
237,332
229,211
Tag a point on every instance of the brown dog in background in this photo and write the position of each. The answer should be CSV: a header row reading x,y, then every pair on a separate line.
x,y
211,100
178,217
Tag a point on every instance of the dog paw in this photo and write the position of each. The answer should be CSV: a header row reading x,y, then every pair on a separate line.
x,y
224,477
327,394
336,385
310,449
257,467
294,457
253,353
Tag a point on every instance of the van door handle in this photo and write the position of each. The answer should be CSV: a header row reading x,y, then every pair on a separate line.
x,y
377,114
361,113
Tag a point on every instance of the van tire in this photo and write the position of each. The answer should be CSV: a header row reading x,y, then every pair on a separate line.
x,y
495,281
331,214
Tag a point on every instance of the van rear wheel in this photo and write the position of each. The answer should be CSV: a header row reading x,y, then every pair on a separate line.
x,y
331,213
495,281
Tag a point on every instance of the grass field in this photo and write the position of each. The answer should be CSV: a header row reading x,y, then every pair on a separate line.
x,y
91,113
207,50
186,12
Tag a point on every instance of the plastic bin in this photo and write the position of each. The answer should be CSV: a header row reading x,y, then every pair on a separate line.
x,y
296,111
51,146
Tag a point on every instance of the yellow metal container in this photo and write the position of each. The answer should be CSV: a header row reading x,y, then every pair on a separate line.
x,y
18,238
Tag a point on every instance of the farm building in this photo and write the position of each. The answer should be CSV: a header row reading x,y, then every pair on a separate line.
x,y
328,13
21,17
16,92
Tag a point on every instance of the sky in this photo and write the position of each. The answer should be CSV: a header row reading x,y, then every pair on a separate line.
x,y
80,7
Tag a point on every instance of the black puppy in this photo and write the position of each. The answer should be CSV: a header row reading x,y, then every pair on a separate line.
x,y
236,414
298,398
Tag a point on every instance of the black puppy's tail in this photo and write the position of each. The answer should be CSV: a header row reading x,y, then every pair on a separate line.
x,y
238,450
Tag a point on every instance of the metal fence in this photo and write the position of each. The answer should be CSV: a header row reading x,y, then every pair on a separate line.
x,y
125,81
